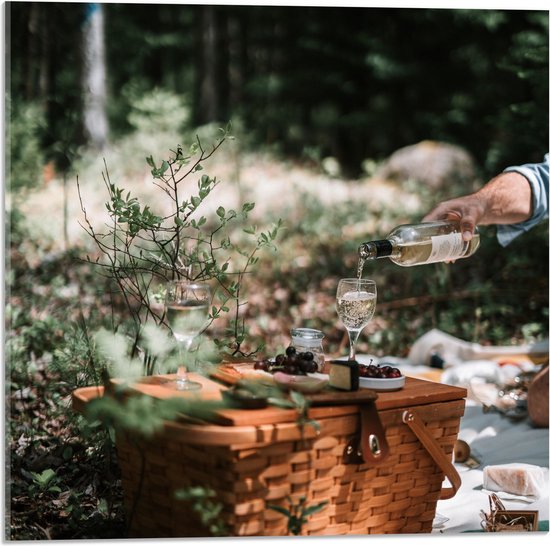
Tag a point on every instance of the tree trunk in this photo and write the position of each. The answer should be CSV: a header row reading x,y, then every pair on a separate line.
x,y
237,64
208,107
94,77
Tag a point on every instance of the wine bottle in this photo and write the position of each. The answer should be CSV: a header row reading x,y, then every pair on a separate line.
x,y
425,243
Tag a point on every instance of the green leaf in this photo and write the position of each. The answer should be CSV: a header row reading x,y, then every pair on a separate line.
x,y
298,398
316,508
220,212
281,403
279,509
43,478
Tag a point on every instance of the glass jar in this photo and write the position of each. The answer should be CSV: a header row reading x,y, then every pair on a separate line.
x,y
308,339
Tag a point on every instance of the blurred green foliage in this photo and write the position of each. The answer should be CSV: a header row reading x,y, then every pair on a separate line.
x,y
351,83
25,154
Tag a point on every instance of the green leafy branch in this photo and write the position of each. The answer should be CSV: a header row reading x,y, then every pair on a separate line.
x,y
206,508
141,250
301,404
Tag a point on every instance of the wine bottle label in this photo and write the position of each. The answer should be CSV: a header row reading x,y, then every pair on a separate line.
x,y
446,247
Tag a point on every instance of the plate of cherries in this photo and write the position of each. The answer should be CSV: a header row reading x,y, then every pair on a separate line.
x,y
380,377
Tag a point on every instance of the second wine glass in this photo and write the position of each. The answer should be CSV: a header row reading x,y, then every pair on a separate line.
x,y
355,305
187,305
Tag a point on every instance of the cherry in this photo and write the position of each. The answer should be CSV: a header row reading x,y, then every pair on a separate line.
x,y
379,372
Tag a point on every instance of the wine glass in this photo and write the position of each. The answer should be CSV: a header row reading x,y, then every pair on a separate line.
x,y
355,304
187,304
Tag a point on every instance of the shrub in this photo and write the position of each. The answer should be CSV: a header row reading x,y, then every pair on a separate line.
x,y
26,123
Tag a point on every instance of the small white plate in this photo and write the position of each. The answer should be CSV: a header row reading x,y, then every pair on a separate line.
x,y
302,383
382,384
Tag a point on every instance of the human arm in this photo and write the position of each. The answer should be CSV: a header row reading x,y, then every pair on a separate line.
x,y
515,200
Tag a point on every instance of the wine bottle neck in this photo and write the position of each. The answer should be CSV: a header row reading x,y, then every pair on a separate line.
x,y
375,249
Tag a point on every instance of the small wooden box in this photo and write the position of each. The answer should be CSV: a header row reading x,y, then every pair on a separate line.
x,y
515,520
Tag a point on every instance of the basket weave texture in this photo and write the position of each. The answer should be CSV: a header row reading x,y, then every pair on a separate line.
x,y
251,468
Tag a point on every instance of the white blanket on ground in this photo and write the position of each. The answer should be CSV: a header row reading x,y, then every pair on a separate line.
x,y
493,438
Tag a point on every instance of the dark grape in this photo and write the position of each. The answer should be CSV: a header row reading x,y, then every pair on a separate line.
x,y
290,369
262,365
290,351
292,360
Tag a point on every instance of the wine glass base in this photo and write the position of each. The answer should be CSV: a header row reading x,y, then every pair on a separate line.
x,y
188,386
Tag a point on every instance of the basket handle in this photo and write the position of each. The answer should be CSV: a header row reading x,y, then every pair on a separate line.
x,y
438,455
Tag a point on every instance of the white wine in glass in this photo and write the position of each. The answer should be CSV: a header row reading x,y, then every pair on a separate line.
x,y
355,305
187,304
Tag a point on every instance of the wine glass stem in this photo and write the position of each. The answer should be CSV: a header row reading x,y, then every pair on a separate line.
x,y
353,336
185,344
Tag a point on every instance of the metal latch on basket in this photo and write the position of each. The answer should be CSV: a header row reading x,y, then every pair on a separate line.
x,y
370,445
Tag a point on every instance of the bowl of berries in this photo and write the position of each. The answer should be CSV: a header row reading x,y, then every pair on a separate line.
x,y
380,377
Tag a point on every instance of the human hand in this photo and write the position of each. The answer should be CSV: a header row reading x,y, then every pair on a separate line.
x,y
506,199
467,211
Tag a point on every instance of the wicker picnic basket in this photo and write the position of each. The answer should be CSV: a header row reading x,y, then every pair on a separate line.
x,y
252,467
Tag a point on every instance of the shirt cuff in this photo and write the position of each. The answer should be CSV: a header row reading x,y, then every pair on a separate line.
x,y
537,176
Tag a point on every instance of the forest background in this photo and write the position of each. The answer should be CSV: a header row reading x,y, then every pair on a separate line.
x,y
320,100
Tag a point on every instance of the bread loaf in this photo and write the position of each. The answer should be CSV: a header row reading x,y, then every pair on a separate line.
x,y
516,478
